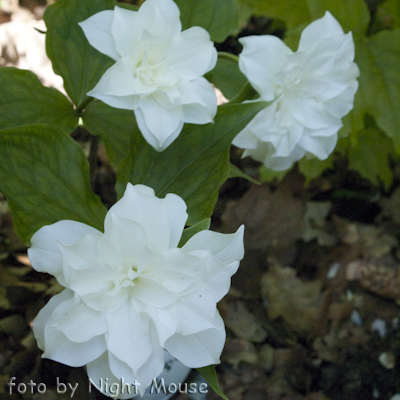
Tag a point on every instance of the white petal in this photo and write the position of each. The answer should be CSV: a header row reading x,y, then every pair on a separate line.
x,y
45,255
164,320
319,146
178,216
123,241
81,323
59,348
151,139
262,57
152,292
193,54
154,365
199,101
126,29
227,248
318,30
200,349
158,124
45,313
97,29
313,115
195,316
161,17
129,338
99,370
152,213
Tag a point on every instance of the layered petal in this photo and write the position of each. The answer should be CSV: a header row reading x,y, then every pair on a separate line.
x,y
131,292
45,253
313,89
199,349
98,32
158,70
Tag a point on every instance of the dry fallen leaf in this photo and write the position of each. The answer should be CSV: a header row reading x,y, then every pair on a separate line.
x,y
289,297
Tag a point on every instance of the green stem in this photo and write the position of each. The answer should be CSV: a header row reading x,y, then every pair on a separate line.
x,y
87,101
228,56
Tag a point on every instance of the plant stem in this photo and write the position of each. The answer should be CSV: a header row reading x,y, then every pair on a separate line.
x,y
84,105
228,56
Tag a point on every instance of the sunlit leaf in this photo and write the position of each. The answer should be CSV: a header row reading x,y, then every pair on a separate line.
x,y
45,176
194,166
219,17
293,13
191,231
24,100
378,58
353,15
371,157
235,172
312,168
210,376
113,125
80,65
227,77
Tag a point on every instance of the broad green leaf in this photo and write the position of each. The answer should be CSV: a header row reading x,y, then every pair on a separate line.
x,y
378,58
292,12
371,157
191,231
24,100
45,176
114,126
219,17
194,166
235,172
80,64
210,375
314,167
353,15
227,77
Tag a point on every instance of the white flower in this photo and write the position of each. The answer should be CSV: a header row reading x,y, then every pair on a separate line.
x,y
158,70
130,292
313,87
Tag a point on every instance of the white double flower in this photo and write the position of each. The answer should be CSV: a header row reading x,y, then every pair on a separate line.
x,y
313,87
158,70
130,292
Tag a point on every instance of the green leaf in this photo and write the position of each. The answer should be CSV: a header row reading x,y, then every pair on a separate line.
x,y
219,17
227,77
371,156
353,15
210,376
378,58
45,176
114,126
80,64
268,175
388,14
293,13
195,165
313,167
189,232
235,172
24,100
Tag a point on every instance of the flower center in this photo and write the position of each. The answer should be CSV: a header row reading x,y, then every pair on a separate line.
x,y
124,279
151,70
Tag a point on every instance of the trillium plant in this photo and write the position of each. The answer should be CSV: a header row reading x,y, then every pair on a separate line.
x,y
143,278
